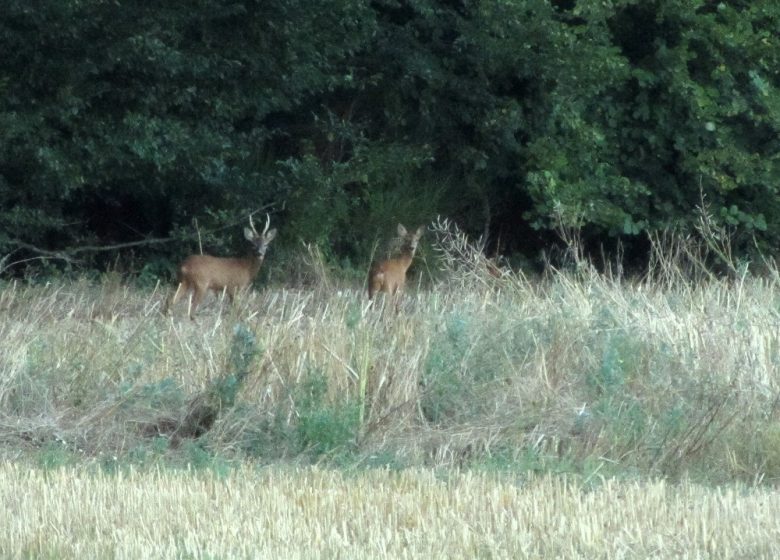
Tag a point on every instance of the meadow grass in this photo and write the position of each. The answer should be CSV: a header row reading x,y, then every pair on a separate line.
x,y
575,373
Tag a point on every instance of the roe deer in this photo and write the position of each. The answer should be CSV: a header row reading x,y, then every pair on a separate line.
x,y
389,275
200,273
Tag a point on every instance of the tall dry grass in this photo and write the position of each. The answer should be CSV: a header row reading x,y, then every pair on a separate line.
x,y
313,513
576,371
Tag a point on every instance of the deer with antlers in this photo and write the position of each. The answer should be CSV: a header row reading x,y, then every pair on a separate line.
x,y
200,273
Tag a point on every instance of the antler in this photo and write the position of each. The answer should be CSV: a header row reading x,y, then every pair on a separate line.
x,y
267,225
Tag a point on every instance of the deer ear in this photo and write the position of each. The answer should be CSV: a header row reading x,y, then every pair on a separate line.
x,y
249,234
401,230
270,235
419,232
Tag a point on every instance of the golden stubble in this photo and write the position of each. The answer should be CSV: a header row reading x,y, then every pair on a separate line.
x,y
313,513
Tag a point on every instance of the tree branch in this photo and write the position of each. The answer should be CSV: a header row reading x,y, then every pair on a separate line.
x,y
68,253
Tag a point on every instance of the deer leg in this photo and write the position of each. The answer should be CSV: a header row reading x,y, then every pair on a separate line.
x,y
231,294
397,293
197,295
376,282
181,288
220,294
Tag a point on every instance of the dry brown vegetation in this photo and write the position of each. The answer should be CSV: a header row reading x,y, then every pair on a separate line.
x,y
312,513
608,381
575,372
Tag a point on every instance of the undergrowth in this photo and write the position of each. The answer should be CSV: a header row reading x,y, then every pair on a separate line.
x,y
670,375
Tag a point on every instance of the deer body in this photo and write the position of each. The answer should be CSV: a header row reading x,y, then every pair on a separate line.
x,y
201,273
215,273
389,275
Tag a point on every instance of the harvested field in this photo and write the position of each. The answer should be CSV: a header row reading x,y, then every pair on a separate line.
x,y
312,513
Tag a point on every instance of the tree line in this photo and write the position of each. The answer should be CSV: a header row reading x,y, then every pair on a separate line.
x,y
132,126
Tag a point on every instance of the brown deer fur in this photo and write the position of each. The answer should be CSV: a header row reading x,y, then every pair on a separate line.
x,y
200,273
389,275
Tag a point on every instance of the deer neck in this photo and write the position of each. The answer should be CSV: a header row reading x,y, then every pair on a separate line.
x,y
405,257
255,261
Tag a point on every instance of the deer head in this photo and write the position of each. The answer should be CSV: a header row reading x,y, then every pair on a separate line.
x,y
259,241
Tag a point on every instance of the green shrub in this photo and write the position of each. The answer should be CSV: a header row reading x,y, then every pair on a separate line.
x,y
323,427
444,380
56,454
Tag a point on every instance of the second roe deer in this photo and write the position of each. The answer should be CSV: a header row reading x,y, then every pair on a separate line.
x,y
200,273
389,275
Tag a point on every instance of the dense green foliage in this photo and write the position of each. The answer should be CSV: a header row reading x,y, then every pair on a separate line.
x,y
125,121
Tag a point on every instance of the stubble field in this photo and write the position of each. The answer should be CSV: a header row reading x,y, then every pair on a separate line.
x,y
313,513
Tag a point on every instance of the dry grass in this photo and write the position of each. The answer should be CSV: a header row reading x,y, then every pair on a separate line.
x,y
632,389
575,372
313,513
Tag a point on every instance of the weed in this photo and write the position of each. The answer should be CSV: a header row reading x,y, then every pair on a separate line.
x,y
56,455
321,427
